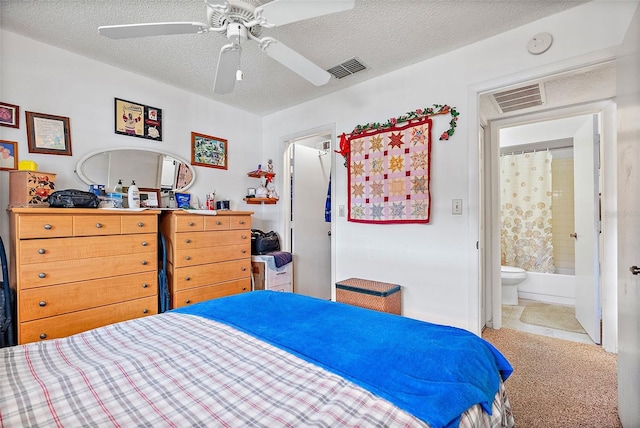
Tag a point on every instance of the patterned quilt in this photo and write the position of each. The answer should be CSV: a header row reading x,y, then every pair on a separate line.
x,y
177,370
388,175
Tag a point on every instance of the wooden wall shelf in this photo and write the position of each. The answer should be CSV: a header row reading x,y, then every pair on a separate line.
x,y
261,200
261,174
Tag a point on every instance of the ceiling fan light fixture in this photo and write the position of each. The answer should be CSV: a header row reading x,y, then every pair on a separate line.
x,y
239,75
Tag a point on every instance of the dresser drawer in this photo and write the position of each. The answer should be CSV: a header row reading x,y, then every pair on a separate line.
x,y
287,288
189,223
77,322
196,276
198,256
41,302
240,222
200,294
278,277
211,239
216,223
57,249
44,226
94,225
43,274
139,224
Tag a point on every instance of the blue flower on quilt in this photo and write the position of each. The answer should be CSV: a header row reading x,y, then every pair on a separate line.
x,y
377,211
396,210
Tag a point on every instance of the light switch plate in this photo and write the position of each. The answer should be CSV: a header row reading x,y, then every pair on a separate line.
x,y
341,210
456,207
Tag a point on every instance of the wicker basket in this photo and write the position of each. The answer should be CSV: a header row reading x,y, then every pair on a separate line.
x,y
379,296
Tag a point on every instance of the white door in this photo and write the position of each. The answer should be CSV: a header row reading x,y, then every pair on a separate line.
x,y
585,176
628,216
311,240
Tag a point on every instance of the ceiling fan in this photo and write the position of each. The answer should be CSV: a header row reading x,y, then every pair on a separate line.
x,y
240,20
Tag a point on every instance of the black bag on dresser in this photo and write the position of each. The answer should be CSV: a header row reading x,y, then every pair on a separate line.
x,y
263,243
73,198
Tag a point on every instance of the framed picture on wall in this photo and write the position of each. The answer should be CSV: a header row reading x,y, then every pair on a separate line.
x,y
138,120
149,198
208,151
9,115
8,155
48,134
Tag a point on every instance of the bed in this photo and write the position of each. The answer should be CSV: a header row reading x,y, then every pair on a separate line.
x,y
258,359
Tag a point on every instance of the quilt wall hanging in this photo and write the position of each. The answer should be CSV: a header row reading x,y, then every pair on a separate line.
x,y
389,166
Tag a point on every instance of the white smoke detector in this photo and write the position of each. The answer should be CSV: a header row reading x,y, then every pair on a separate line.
x,y
540,43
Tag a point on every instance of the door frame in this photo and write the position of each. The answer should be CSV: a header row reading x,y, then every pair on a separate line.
x,y
493,288
327,129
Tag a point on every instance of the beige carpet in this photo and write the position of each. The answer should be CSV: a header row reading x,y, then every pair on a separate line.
x,y
558,383
552,316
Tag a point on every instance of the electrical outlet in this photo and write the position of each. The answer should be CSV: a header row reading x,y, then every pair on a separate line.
x,y
456,207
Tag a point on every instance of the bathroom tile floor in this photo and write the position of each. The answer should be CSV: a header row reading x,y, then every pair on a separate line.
x,y
511,319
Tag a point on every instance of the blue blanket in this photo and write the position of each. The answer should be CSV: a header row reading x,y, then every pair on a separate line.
x,y
434,372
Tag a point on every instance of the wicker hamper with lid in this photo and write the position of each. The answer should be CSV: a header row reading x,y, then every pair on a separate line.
x,y
379,296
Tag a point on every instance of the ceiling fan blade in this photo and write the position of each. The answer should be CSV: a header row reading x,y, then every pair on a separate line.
x,y
153,29
280,12
227,66
294,61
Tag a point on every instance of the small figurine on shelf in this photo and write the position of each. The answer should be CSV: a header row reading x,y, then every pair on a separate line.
x,y
270,166
257,171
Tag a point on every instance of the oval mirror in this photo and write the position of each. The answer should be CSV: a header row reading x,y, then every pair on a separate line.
x,y
149,168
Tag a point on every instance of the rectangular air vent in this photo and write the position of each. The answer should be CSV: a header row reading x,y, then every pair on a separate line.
x,y
347,68
520,98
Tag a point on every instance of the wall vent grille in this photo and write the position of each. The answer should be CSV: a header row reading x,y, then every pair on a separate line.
x,y
520,98
347,68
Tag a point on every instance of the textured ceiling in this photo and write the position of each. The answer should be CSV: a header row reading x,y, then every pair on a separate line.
x,y
385,35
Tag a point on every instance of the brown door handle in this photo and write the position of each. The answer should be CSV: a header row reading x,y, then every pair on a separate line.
x,y
574,235
635,270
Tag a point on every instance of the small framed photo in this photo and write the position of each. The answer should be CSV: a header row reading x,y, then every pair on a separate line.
x,y
8,155
208,151
9,115
48,134
149,198
138,120
251,192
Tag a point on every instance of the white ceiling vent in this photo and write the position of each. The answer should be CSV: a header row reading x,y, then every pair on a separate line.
x,y
347,68
520,98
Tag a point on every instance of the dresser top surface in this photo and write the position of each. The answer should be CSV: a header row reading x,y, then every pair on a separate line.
x,y
100,211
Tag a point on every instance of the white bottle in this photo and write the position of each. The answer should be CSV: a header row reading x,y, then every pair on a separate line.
x,y
118,188
134,195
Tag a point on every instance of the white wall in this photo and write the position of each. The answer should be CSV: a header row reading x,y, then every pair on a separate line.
x,y
44,79
435,263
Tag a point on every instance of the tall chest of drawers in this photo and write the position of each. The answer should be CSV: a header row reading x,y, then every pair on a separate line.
x,y
76,269
208,256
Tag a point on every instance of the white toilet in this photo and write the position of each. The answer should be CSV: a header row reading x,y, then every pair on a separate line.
x,y
511,277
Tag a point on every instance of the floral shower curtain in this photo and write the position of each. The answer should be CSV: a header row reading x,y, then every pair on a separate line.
x,y
525,211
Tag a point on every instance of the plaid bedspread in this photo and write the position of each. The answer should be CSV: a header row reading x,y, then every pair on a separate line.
x,y
177,370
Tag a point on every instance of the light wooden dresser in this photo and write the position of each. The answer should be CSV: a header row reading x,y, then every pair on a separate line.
x,y
208,256
76,269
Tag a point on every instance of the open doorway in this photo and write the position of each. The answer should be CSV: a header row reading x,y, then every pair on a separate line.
x,y
308,159
554,107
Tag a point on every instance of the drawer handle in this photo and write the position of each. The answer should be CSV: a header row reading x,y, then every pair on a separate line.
x,y
188,258
241,221
244,236
281,273
41,251
43,336
144,243
244,288
187,301
42,275
47,226
219,223
99,225
144,311
244,269
188,241
141,224
188,278
191,223
144,262
243,251
145,285
43,304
